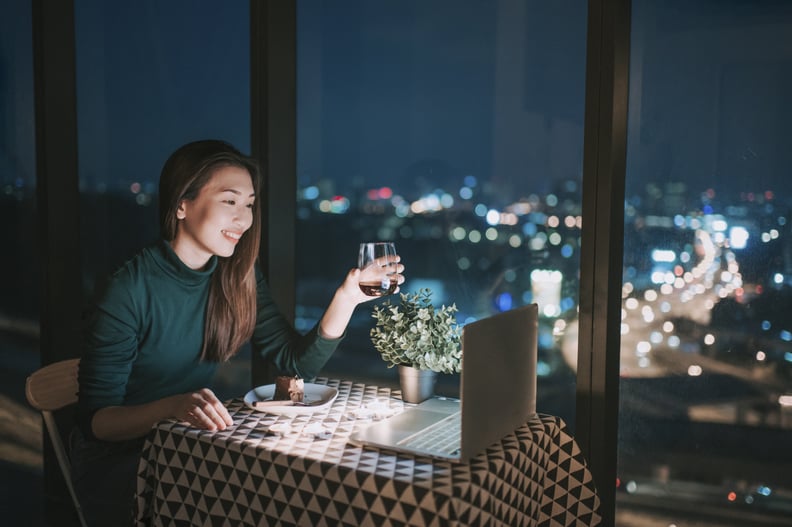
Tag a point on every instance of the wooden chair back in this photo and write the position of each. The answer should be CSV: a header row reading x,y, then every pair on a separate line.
x,y
48,389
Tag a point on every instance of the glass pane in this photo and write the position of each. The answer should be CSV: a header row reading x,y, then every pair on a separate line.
x,y
20,428
706,365
19,292
152,76
454,130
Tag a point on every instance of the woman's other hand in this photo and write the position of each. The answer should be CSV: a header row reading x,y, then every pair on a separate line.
x,y
201,409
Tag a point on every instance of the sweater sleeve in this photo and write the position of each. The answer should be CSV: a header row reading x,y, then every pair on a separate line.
x,y
111,345
283,348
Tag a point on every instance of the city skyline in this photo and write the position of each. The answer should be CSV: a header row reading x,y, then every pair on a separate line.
x,y
401,107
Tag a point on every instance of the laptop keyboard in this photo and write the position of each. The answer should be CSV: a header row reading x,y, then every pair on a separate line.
x,y
442,436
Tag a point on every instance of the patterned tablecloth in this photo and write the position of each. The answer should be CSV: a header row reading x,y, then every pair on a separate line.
x,y
247,476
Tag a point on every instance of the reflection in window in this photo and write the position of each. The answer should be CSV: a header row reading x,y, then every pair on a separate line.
x,y
455,130
706,354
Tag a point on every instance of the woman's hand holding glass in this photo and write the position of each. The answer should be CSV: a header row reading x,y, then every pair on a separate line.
x,y
380,270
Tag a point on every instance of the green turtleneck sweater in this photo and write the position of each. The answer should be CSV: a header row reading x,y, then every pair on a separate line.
x,y
145,335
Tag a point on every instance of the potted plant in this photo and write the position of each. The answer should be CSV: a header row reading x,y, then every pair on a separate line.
x,y
419,338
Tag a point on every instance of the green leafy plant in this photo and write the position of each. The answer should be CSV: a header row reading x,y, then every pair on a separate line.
x,y
415,333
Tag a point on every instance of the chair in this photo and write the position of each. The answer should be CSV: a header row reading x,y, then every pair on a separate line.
x,y
48,389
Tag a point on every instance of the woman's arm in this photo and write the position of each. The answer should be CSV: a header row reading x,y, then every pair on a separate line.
x,y
284,350
347,297
200,409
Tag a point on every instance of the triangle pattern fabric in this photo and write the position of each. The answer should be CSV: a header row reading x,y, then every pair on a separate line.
x,y
248,476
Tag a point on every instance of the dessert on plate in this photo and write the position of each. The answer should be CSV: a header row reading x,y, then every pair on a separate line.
x,y
289,388
289,391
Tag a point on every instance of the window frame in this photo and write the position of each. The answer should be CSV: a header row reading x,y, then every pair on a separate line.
x,y
57,202
273,140
602,242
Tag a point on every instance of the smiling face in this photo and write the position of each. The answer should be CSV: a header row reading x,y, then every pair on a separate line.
x,y
213,222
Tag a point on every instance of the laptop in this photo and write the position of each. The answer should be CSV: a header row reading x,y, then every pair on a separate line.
x,y
497,394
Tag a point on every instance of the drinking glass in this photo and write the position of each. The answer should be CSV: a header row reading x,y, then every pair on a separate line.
x,y
378,268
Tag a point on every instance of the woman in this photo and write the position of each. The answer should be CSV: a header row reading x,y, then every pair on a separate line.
x,y
176,310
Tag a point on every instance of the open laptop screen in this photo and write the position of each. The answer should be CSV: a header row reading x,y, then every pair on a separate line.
x,y
498,389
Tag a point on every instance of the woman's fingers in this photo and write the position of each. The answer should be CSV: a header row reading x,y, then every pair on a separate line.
x,y
204,410
214,410
390,265
400,272
384,270
216,407
389,262
376,273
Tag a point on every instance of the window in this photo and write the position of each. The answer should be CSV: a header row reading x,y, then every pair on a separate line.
x,y
19,288
454,130
706,355
20,460
144,89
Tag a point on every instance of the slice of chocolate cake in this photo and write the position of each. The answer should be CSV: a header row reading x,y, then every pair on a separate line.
x,y
289,388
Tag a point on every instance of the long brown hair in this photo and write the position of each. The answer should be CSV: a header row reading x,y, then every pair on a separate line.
x,y
231,308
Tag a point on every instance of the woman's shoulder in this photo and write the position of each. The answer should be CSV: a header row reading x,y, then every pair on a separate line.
x,y
133,272
138,265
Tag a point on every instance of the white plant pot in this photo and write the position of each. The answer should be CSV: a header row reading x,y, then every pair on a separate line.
x,y
416,385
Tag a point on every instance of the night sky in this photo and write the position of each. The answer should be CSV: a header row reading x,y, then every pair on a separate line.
x,y
394,91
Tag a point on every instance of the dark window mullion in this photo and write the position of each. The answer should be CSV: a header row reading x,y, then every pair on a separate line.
x,y
273,71
57,185
57,198
604,162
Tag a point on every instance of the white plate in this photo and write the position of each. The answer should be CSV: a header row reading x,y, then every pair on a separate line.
x,y
318,396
